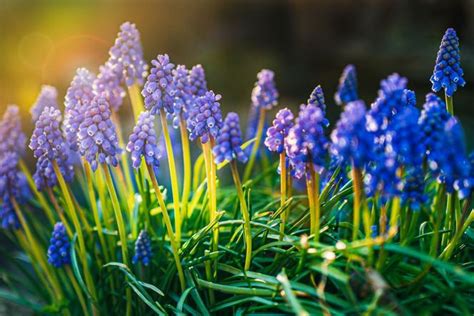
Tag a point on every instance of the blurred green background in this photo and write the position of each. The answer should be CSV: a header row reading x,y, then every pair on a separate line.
x,y
304,42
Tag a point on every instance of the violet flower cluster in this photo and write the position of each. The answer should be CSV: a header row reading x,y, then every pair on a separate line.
x,y
306,142
448,74
126,56
143,251
265,94
205,119
143,142
78,97
228,142
159,90
97,135
49,145
347,88
277,133
13,139
48,97
107,85
317,98
59,251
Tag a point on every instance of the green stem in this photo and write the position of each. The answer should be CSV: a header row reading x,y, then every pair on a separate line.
x,y
357,185
136,100
256,145
448,251
186,166
59,211
173,176
211,182
120,226
77,289
245,215
449,104
169,228
72,212
95,211
448,219
283,192
313,196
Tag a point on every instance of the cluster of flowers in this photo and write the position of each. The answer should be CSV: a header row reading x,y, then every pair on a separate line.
x,y
390,143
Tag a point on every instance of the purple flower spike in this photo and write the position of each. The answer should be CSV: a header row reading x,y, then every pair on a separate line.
x,y
465,184
143,142
107,84
48,145
143,252
432,120
317,98
347,88
205,120
351,142
197,81
78,97
9,175
97,135
59,247
48,97
277,133
8,217
265,94
159,90
392,98
229,141
12,137
182,97
126,56
448,73
306,142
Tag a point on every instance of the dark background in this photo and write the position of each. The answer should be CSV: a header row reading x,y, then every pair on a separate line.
x,y
304,42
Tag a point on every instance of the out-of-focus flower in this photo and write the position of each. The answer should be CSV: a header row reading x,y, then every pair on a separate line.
x,y
48,97
277,133
347,88
351,142
448,73
412,189
306,142
59,247
205,120
197,81
143,252
182,96
12,137
464,185
97,135
78,97
229,141
8,217
143,142
265,94
107,85
126,55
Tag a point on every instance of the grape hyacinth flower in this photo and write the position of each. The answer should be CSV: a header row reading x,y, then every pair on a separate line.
x,y
143,252
306,142
48,97
448,74
205,121
59,247
126,56
159,90
12,182
465,184
182,96
97,135
350,139
229,141
12,137
392,98
48,145
265,94
277,133
143,142
197,81
8,217
317,98
78,97
412,189
432,120
107,84
347,88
